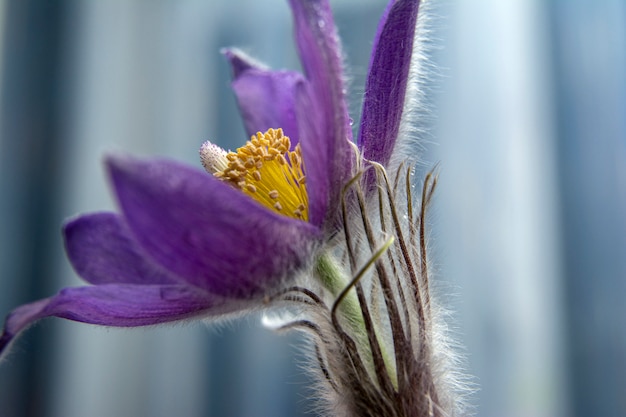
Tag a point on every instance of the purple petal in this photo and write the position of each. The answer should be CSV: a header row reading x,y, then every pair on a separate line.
x,y
240,62
387,80
120,305
266,98
381,27
316,159
208,233
102,251
325,104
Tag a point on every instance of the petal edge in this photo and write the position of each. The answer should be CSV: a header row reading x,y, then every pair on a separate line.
x,y
119,305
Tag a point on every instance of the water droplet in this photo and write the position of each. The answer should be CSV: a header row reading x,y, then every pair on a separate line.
x,y
351,121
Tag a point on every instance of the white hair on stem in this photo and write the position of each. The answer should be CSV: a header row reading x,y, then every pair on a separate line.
x,y
379,341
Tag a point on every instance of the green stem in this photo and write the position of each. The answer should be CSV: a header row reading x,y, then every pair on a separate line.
x,y
333,279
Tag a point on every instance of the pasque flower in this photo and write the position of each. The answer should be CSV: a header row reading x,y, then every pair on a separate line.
x,y
298,218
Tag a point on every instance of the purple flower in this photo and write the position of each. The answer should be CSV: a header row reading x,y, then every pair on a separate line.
x,y
186,244
262,228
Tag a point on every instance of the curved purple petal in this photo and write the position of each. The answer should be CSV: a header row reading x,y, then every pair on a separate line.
x,y
316,159
102,251
387,80
120,305
325,101
266,98
208,233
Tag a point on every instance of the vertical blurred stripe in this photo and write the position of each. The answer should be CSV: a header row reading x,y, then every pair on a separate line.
x,y
498,200
30,153
589,52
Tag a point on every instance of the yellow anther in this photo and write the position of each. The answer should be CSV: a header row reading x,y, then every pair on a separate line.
x,y
268,171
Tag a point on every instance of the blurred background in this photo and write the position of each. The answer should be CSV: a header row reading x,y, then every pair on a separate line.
x,y
529,226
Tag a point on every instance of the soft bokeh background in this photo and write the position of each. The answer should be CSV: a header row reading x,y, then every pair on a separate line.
x,y
529,227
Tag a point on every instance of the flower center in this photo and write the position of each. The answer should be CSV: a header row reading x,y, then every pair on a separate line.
x,y
265,169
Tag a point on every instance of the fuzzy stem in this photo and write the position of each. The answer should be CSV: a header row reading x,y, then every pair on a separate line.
x,y
333,279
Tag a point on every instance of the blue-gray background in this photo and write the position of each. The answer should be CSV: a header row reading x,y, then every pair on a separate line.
x,y
529,227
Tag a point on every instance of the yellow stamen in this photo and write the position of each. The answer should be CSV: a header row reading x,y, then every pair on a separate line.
x,y
268,171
